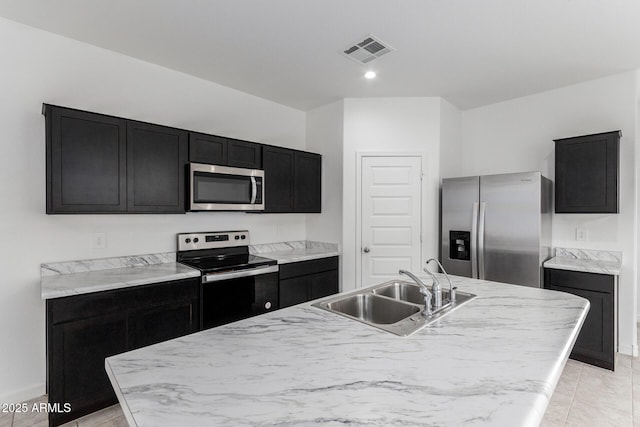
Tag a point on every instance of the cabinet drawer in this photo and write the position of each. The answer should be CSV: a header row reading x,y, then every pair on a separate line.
x,y
579,280
77,307
308,267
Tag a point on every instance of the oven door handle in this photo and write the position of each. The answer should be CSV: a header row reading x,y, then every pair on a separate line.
x,y
216,277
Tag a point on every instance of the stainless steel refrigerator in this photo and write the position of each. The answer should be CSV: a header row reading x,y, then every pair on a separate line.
x,y
497,227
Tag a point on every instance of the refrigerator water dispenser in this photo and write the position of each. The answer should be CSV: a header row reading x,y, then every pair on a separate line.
x,y
460,245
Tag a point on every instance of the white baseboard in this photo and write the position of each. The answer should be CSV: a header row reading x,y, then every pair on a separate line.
x,y
19,396
629,350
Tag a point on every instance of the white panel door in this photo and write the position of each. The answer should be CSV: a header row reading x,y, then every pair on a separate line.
x,y
390,216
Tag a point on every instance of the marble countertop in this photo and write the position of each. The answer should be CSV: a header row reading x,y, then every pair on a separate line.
x,y
589,261
494,361
80,277
287,252
62,285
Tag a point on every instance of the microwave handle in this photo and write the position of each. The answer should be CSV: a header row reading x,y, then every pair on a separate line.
x,y
254,190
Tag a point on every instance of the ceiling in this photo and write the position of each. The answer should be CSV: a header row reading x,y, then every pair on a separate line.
x,y
470,52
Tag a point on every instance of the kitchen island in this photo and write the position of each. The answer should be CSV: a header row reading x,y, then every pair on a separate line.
x,y
494,361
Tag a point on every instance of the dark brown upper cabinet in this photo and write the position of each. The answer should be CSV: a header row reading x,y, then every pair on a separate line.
x,y
218,150
292,181
156,159
104,164
244,154
587,173
86,162
207,149
307,182
278,179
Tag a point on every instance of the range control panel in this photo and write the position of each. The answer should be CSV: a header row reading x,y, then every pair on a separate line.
x,y
212,240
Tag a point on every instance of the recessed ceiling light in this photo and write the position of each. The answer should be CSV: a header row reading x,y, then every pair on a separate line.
x,y
370,75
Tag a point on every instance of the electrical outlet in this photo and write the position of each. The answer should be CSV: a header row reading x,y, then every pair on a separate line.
x,y
582,234
99,240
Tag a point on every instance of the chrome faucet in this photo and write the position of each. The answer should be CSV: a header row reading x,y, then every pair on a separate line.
x,y
437,289
424,290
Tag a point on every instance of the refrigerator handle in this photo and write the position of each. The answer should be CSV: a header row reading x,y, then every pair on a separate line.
x,y
474,241
483,207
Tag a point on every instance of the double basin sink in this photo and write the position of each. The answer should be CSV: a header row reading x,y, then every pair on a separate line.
x,y
394,306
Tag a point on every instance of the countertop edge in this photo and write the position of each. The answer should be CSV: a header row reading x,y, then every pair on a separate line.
x,y
288,259
585,266
119,395
556,372
47,294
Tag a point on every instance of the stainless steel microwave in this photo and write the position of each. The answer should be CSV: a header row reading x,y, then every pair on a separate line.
x,y
223,188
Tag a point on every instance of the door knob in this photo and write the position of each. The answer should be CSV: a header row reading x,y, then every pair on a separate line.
x,y
366,250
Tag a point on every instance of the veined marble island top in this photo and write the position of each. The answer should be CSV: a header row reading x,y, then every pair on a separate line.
x,y
494,361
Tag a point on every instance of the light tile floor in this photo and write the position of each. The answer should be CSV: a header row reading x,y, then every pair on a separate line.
x,y
588,396
585,396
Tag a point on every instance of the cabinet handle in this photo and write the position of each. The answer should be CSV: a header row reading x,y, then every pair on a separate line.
x,y
267,305
366,250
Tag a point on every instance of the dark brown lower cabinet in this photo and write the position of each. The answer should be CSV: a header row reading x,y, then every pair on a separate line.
x,y
307,280
596,342
83,330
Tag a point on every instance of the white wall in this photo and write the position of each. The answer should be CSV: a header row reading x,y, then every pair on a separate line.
x,y
450,140
637,174
518,135
324,136
389,125
40,67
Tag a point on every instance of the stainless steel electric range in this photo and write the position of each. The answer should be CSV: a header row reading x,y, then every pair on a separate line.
x,y
235,284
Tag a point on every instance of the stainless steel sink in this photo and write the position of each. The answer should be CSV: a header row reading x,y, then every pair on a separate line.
x,y
393,306
407,291
373,309
403,291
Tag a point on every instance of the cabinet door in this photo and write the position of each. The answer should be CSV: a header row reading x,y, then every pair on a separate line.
x,y
306,280
82,330
595,343
323,284
244,154
156,160
303,268
164,322
207,149
278,179
76,353
587,174
294,291
86,162
307,183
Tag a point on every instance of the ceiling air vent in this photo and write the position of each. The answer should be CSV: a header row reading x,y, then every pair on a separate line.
x,y
367,49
